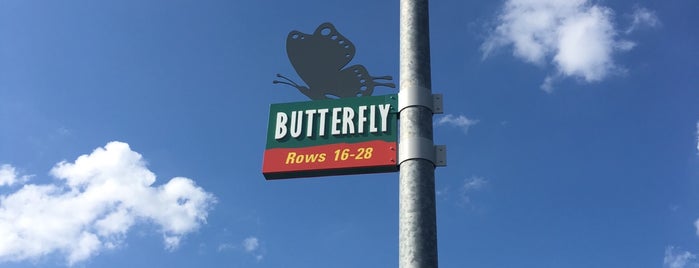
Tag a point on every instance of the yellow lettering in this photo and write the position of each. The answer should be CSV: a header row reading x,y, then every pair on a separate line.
x,y
290,158
295,158
311,158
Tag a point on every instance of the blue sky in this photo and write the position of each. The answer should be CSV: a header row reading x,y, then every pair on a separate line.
x,y
132,133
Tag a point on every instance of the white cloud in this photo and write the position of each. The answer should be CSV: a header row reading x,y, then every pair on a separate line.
x,y
251,244
463,191
458,121
225,247
9,176
171,242
642,17
585,44
575,36
682,259
471,185
474,183
547,85
93,204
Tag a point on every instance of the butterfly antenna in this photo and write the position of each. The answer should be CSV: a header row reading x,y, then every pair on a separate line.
x,y
287,82
391,85
388,77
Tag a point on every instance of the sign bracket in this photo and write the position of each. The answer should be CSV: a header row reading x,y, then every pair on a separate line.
x,y
422,148
421,97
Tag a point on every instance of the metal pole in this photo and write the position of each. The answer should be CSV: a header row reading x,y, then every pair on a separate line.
x,y
417,219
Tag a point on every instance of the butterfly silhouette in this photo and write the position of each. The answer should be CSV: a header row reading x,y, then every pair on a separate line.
x,y
319,60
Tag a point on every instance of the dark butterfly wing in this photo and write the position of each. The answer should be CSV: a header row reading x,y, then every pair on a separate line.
x,y
355,81
318,58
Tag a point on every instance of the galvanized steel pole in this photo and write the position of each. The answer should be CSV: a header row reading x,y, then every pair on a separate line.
x,y
418,220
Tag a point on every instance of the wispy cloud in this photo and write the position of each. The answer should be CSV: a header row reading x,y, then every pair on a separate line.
x,y
9,176
471,185
576,36
474,183
225,247
93,204
676,258
463,192
462,122
251,245
642,17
